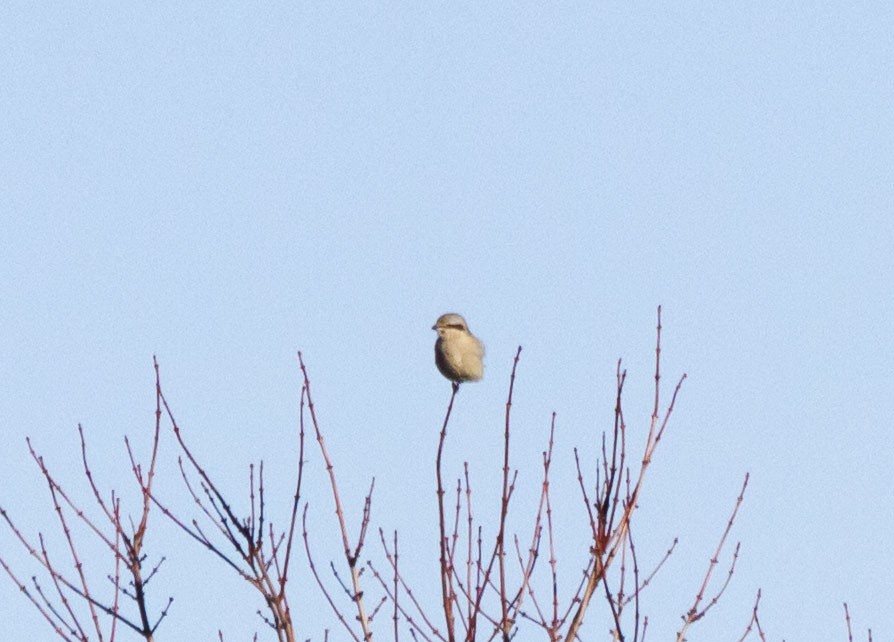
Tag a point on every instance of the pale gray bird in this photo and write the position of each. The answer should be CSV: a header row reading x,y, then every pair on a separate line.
x,y
458,354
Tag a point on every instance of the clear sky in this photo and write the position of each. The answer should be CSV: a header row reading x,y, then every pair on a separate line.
x,y
222,185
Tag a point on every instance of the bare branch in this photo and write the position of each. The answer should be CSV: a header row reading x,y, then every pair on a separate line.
x,y
694,614
754,621
349,556
448,596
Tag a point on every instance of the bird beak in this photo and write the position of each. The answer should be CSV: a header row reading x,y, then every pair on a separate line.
x,y
434,327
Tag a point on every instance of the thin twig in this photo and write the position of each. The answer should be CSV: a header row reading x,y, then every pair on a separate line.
x,y
694,614
447,595
350,556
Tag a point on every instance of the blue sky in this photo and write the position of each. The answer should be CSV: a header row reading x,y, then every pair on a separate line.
x,y
222,185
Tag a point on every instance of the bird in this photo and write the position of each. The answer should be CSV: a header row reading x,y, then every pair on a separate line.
x,y
459,355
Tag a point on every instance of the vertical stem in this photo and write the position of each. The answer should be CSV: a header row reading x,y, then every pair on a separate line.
x,y
505,624
446,570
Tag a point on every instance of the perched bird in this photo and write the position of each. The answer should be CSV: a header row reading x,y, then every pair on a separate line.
x,y
459,355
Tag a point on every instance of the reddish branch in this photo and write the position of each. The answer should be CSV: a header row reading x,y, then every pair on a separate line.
x,y
351,556
448,597
430,632
505,622
609,536
125,543
695,613
262,556
754,622
610,514
248,545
